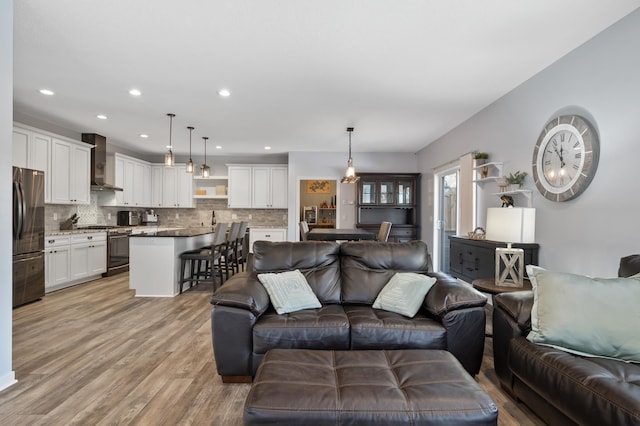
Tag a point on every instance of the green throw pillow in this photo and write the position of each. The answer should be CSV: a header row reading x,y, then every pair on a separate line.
x,y
404,293
289,291
596,317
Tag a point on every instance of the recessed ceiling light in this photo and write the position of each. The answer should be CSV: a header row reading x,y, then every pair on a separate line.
x,y
135,92
218,147
101,116
224,93
267,148
47,92
144,135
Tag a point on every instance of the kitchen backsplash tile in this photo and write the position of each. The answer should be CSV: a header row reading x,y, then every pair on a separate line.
x,y
201,215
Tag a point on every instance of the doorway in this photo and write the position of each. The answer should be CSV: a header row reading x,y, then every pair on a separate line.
x,y
447,212
318,202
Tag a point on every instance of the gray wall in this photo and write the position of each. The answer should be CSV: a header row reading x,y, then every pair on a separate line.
x,y
6,200
600,80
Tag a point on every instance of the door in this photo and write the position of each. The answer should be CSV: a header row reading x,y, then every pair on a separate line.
x,y
447,215
28,211
28,278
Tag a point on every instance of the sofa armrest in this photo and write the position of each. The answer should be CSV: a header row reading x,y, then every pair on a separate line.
x,y
448,295
517,306
511,319
243,291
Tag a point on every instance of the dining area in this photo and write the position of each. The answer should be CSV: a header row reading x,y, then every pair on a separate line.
x,y
344,234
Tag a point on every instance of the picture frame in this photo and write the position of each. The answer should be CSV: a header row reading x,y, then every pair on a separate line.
x,y
318,187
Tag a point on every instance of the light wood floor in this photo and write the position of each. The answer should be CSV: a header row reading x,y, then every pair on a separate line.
x,y
95,355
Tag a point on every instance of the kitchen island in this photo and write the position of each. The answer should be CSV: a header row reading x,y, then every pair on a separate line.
x,y
154,259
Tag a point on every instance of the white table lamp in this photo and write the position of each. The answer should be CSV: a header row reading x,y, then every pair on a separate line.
x,y
510,225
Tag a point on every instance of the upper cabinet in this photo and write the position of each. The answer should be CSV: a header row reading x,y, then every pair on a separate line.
x,y
32,150
390,197
258,186
177,187
70,172
134,177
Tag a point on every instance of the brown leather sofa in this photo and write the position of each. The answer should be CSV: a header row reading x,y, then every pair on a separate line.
x,y
562,388
346,278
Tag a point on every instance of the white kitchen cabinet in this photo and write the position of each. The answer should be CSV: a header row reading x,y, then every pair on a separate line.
x,y
177,187
269,187
259,186
156,185
57,261
239,187
88,255
70,172
32,150
135,178
74,259
266,234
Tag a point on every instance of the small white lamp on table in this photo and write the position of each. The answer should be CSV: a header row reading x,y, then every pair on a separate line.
x,y
511,225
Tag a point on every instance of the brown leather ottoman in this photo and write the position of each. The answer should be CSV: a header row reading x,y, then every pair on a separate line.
x,y
394,387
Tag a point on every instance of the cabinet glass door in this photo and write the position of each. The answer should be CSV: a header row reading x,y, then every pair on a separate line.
x,y
405,192
368,195
386,192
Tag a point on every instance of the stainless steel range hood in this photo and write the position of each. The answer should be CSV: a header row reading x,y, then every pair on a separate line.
x,y
98,162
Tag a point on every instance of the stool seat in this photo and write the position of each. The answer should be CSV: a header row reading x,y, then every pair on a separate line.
x,y
204,262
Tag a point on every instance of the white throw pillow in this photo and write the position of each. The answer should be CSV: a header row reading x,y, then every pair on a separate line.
x,y
404,293
586,316
289,291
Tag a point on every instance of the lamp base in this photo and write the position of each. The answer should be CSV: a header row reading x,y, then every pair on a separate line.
x,y
511,275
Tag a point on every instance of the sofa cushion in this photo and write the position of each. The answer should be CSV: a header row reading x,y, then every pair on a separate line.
x,y
289,291
318,261
367,266
404,293
596,391
378,329
323,328
586,316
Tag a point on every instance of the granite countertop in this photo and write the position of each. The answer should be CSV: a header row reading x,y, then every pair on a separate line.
x,y
133,229
186,232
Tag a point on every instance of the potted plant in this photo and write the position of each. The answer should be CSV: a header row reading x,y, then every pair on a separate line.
x,y
480,158
516,178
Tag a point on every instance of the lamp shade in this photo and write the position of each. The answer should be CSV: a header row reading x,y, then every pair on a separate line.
x,y
511,225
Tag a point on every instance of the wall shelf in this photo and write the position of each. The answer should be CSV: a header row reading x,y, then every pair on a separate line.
x,y
527,193
494,172
209,184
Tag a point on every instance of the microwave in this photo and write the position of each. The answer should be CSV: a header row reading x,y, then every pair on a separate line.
x,y
127,218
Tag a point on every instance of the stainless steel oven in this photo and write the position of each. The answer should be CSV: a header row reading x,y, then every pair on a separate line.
x,y
117,251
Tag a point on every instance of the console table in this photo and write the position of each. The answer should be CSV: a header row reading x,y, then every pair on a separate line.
x,y
472,259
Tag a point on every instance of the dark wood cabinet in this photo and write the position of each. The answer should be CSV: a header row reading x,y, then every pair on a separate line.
x,y
472,259
392,197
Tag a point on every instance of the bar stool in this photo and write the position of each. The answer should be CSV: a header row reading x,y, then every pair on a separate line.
x,y
209,257
240,255
227,258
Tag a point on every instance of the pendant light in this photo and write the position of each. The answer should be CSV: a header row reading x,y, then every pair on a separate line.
x,y
169,158
205,169
190,162
350,174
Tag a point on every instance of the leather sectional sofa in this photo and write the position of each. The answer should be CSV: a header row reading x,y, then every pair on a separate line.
x,y
346,278
560,387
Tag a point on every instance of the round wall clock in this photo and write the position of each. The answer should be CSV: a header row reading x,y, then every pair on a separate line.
x,y
565,157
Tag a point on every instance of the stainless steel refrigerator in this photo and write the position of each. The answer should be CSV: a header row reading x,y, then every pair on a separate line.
x,y
28,235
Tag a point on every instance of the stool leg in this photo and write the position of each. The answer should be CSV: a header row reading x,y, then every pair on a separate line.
x,y
183,264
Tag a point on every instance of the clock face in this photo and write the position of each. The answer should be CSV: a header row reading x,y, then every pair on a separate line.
x,y
565,157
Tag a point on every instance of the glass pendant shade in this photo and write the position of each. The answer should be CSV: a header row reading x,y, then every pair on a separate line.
x,y
350,174
169,158
206,170
190,162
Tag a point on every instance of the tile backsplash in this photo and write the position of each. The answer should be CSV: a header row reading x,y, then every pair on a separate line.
x,y
93,214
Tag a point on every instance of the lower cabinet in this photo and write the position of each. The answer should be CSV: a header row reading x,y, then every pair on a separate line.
x,y
473,259
266,234
73,259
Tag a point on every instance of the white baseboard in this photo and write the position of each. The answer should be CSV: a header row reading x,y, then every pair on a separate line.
x,y
8,380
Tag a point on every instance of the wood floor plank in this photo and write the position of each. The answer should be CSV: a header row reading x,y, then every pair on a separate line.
x,y
95,354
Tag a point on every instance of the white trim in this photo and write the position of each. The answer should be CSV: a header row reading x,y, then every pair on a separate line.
x,y
449,168
8,380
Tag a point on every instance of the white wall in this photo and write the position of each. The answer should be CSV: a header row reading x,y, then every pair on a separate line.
x,y
7,376
316,165
600,80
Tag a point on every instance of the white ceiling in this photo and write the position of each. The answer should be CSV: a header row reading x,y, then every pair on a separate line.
x,y
403,73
